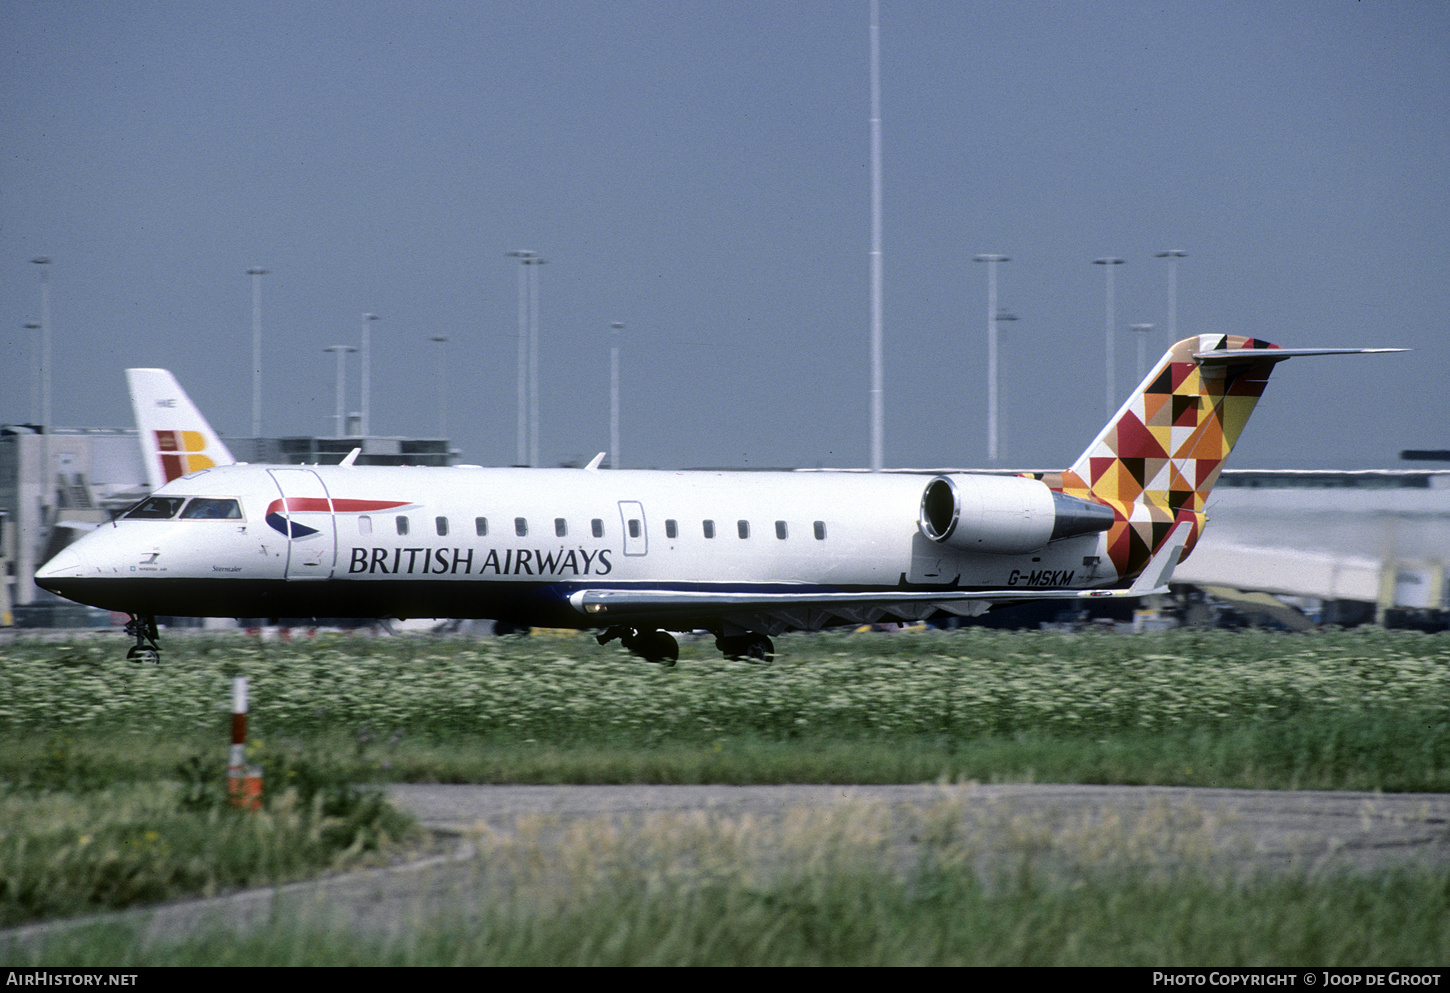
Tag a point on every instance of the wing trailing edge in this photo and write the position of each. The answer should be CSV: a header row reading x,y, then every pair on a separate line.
x,y
622,604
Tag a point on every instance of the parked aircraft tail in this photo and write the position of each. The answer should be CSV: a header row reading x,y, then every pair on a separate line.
x,y
1157,459
175,438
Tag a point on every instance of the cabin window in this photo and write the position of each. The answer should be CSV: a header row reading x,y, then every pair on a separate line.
x,y
634,528
596,528
365,524
561,527
158,508
441,523
780,530
402,524
820,530
521,526
743,527
212,509
672,530
709,529
480,526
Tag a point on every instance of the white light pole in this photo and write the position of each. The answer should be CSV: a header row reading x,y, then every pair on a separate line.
x,y
1172,255
47,490
1001,374
528,355
34,372
341,352
534,360
1142,331
523,425
367,385
992,319
1107,262
878,389
257,275
442,341
614,462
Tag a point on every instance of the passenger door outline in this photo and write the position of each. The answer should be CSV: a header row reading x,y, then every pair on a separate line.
x,y
305,500
633,510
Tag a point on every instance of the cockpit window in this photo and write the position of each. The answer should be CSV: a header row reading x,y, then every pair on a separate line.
x,y
157,508
212,509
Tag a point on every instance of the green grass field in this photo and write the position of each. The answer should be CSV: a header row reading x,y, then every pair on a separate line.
x,y
1364,709
106,769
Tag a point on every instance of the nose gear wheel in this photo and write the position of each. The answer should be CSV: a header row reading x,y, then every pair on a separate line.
x,y
142,627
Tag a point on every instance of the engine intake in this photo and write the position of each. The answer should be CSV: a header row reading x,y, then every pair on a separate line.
x,y
1004,514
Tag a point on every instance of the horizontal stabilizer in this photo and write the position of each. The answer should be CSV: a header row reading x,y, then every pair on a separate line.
x,y
1280,354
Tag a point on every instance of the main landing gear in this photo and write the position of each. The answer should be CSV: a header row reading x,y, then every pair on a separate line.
x,y
652,646
142,627
661,647
748,647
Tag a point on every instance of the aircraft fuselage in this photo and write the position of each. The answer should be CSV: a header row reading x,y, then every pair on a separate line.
x,y
466,542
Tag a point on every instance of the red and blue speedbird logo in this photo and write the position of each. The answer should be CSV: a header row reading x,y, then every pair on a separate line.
x,y
280,512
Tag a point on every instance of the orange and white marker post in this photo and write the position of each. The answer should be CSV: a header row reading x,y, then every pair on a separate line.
x,y
244,783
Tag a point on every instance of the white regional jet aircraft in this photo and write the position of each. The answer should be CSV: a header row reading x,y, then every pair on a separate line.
x,y
636,554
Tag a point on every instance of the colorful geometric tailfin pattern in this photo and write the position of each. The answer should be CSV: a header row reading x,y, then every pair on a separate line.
x,y
1156,461
180,453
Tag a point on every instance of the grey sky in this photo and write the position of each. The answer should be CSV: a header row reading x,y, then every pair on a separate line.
x,y
700,171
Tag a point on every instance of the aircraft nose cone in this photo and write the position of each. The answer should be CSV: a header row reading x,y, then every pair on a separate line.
x,y
68,563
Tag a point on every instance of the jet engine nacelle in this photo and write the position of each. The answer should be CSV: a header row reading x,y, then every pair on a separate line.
x,y
1004,514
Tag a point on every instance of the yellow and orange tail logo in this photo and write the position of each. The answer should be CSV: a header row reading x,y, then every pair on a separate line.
x,y
1155,463
181,453
176,439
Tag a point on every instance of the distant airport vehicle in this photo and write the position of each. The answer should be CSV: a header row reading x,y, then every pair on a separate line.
x,y
638,554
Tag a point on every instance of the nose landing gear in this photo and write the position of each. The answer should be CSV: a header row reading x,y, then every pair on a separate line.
x,y
142,627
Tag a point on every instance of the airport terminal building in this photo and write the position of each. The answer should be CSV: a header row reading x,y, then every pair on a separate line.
x,y
1346,547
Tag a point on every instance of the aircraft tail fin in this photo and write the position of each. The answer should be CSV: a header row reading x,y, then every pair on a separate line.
x,y
175,438
1157,459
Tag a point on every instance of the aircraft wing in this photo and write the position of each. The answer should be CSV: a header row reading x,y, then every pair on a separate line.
x,y
817,608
